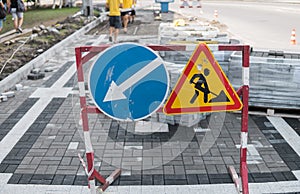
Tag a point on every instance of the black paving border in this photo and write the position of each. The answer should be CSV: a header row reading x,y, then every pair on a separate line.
x,y
288,155
20,150
14,118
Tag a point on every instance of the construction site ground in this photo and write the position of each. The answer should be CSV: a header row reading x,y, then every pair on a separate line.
x,y
41,136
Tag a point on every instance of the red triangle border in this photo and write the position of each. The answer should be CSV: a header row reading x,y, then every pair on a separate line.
x,y
202,47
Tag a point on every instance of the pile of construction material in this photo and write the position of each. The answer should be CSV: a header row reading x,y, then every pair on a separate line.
x,y
9,94
274,78
185,33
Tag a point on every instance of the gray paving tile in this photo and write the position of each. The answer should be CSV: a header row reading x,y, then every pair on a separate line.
x,y
253,168
179,169
222,169
27,160
15,179
58,179
219,178
42,169
211,169
51,169
81,180
188,160
169,170
197,160
24,170
147,180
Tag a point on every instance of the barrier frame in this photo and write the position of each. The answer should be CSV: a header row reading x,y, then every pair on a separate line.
x,y
90,170
243,91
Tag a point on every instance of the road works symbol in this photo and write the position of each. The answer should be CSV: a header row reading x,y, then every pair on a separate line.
x,y
128,82
202,87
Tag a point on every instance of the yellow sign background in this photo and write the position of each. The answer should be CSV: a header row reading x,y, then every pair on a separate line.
x,y
217,82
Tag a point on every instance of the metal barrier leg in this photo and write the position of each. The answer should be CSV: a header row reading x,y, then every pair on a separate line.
x,y
89,169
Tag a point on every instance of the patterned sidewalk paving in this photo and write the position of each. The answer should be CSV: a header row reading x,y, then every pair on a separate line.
x,y
41,135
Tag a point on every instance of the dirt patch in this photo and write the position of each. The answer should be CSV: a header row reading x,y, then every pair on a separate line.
x,y
18,51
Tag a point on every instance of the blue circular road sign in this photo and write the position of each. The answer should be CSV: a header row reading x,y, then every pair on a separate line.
x,y
128,82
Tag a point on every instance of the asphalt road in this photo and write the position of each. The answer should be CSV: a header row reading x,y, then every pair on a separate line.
x,y
260,24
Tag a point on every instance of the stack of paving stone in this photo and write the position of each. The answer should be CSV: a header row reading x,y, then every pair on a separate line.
x,y
175,61
187,120
274,78
35,74
168,32
5,95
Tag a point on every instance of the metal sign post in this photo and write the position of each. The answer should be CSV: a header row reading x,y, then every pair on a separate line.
x,y
164,5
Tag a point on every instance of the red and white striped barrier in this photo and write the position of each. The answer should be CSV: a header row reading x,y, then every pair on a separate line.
x,y
236,179
190,4
91,172
185,4
243,91
244,121
196,4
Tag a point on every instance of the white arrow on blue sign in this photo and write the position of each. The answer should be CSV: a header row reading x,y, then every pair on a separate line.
x,y
128,82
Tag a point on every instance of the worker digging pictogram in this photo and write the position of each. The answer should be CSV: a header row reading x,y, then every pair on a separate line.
x,y
202,87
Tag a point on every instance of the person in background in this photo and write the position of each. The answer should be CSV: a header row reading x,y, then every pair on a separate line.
x,y
17,16
133,13
126,12
2,6
114,18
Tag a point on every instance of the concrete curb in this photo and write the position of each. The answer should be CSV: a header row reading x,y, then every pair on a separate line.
x,y
14,78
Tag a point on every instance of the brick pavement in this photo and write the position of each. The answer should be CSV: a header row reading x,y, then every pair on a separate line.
x,y
46,153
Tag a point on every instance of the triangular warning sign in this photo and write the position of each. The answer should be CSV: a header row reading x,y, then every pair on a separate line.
x,y
202,87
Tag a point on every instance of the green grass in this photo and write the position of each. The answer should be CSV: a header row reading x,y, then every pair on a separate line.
x,y
34,17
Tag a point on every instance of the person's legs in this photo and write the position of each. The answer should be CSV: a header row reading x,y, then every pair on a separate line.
x,y
111,27
118,25
16,23
1,24
123,13
116,35
111,31
132,16
15,18
125,22
20,21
